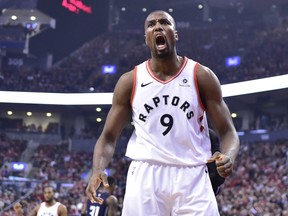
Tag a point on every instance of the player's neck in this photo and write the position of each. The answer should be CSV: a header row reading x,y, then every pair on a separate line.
x,y
166,67
50,203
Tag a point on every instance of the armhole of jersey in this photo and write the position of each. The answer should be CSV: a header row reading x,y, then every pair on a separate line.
x,y
58,208
197,87
39,206
134,85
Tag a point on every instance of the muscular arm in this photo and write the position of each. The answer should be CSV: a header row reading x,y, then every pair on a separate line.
x,y
116,120
34,211
112,202
62,210
218,112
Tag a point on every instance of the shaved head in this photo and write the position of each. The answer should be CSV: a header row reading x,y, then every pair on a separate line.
x,y
159,12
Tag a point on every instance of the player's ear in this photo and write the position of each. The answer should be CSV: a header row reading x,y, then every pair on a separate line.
x,y
176,35
145,38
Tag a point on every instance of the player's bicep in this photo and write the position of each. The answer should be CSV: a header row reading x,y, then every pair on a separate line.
x,y
62,210
220,117
120,111
211,97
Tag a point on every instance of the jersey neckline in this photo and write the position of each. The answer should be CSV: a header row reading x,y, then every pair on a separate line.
x,y
172,78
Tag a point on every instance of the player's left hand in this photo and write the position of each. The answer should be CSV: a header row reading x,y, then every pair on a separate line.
x,y
17,208
224,164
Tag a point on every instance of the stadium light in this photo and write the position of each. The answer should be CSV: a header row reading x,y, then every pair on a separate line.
x,y
228,90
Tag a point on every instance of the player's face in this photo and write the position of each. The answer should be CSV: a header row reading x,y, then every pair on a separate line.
x,y
160,34
48,194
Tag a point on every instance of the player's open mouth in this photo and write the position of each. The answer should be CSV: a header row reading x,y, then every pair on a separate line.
x,y
160,42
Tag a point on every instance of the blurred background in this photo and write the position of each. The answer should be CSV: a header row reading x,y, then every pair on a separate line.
x,y
84,46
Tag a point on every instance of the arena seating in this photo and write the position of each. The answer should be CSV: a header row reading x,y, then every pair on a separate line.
x,y
261,49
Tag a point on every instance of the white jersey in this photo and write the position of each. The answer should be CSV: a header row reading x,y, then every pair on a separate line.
x,y
169,118
48,211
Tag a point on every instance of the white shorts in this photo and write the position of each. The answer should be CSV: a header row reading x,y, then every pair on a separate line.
x,y
162,190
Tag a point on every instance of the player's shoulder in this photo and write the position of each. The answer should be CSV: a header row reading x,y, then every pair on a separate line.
x,y
127,78
205,76
203,70
125,85
62,210
39,206
128,75
34,212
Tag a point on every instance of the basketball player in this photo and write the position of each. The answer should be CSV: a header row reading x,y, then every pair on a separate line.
x,y
109,205
169,96
49,207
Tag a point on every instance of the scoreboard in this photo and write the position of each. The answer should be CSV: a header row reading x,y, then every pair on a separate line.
x,y
77,21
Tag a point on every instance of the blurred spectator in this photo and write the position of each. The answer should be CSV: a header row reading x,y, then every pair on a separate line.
x,y
262,51
258,186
